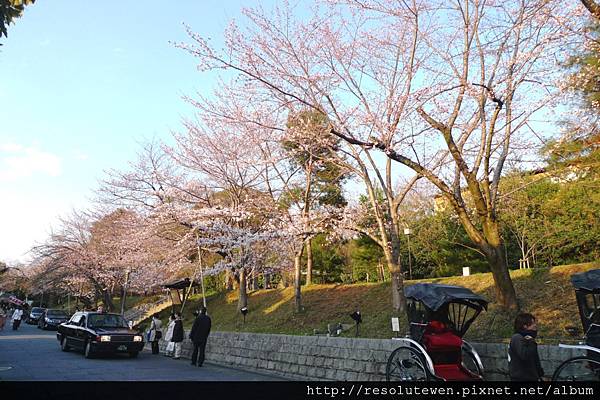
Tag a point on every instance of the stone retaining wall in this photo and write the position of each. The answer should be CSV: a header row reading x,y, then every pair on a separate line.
x,y
334,358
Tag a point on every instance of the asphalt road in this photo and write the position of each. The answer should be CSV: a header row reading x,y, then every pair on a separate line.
x,y
31,354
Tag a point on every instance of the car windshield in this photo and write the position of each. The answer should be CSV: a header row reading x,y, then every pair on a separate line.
x,y
37,310
106,321
56,314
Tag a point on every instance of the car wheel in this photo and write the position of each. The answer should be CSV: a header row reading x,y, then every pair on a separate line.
x,y
63,344
88,350
133,354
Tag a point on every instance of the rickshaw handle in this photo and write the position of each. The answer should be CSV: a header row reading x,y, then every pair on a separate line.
x,y
579,347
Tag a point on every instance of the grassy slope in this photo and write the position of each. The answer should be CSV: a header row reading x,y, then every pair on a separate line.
x,y
547,293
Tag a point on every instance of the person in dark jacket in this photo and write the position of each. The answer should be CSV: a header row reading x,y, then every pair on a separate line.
x,y
523,358
177,337
199,335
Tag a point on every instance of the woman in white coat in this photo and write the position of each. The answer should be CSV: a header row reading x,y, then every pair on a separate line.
x,y
169,335
16,318
155,333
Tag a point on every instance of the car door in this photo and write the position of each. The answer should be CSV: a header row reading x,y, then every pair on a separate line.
x,y
71,330
80,332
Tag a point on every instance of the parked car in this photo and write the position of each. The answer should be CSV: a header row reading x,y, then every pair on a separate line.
x,y
34,315
52,318
94,332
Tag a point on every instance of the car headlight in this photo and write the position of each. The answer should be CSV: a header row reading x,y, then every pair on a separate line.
x,y
105,338
137,338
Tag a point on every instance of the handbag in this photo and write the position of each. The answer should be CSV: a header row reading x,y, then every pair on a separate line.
x,y
170,347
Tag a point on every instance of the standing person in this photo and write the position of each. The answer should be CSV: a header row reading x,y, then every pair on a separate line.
x,y
523,358
2,318
169,336
155,333
177,337
199,335
16,318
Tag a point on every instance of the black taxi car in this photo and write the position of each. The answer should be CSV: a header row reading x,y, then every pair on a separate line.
x,y
50,319
94,332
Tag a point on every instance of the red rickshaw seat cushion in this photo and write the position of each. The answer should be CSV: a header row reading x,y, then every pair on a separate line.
x,y
438,336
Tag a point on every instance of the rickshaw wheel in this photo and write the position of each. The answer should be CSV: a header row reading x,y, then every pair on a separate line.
x,y
406,364
468,362
578,369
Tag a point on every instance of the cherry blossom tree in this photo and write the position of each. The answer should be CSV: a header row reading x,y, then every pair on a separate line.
x,y
483,90
285,61
151,180
242,248
92,258
445,90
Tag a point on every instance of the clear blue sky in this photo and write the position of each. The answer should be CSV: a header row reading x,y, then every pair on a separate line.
x,y
81,83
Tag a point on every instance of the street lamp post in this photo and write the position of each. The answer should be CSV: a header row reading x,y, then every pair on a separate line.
x,y
201,278
125,291
201,270
407,232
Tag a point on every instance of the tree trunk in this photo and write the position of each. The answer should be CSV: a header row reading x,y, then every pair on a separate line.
x,y
381,271
494,253
254,280
243,300
228,281
286,278
298,281
505,291
123,295
107,300
267,278
398,299
490,244
309,262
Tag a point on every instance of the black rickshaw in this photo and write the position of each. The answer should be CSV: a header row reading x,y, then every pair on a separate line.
x,y
585,367
434,349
